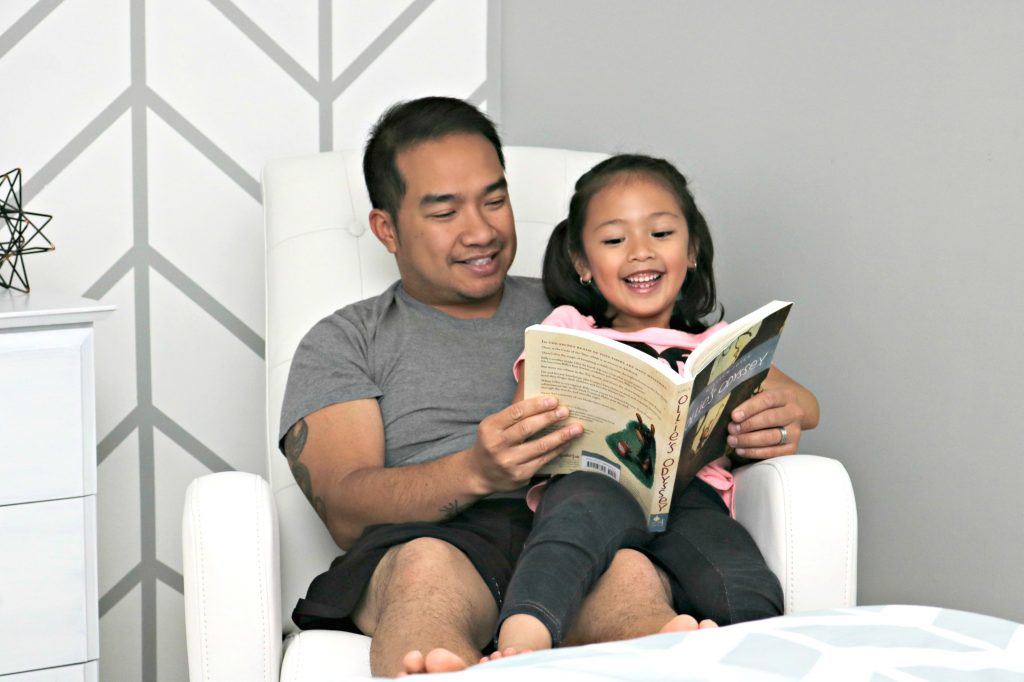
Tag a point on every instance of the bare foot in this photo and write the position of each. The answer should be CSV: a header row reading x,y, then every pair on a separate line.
x,y
687,623
504,653
436,661
522,632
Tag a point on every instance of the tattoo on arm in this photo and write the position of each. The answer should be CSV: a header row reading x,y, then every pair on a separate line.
x,y
294,442
451,510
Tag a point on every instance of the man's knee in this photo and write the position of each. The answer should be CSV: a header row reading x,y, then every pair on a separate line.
x,y
425,558
424,573
419,565
635,571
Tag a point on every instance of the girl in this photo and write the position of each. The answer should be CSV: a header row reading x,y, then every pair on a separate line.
x,y
633,262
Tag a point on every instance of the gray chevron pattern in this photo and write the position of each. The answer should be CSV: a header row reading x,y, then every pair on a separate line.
x,y
142,125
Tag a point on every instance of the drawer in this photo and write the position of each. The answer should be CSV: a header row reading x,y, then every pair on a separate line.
x,y
47,415
48,605
88,672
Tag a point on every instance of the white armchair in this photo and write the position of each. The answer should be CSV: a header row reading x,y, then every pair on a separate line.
x,y
252,547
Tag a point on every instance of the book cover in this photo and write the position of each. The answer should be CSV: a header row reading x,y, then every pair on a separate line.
x,y
646,425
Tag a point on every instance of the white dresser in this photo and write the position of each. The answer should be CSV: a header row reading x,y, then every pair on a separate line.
x,y
49,626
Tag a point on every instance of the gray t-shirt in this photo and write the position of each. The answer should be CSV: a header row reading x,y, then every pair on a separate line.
x,y
434,376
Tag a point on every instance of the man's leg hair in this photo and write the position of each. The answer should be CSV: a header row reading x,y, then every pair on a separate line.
x,y
631,599
425,595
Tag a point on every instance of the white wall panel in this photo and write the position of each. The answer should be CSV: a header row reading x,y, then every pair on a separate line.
x,y
121,640
64,76
98,230
205,379
175,469
356,27
142,126
441,52
212,74
204,223
292,25
172,663
115,359
118,512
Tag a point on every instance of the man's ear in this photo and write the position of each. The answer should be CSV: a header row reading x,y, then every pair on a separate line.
x,y
384,229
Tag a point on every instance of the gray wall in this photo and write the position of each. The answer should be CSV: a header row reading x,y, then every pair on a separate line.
x,y
865,161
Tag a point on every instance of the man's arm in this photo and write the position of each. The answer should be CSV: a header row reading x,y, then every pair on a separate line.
x,y
336,455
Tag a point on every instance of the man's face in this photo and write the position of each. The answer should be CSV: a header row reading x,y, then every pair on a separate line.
x,y
455,238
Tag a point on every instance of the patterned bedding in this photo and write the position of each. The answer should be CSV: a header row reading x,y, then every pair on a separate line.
x,y
875,643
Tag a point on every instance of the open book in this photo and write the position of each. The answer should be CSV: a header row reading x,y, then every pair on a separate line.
x,y
646,424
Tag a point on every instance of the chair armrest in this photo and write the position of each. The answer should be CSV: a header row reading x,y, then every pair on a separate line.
x,y
232,579
802,514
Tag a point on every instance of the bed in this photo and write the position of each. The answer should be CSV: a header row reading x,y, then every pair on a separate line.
x,y
862,643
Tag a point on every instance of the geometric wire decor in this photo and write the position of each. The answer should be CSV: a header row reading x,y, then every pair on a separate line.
x,y
18,229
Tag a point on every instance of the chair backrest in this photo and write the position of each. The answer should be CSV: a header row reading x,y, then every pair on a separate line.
x,y
321,256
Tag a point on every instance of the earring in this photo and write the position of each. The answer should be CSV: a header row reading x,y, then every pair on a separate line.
x,y
584,282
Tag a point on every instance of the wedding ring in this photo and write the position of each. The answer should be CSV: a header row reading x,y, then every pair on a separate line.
x,y
783,436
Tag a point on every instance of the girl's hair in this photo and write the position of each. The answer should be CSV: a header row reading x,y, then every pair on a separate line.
x,y
696,299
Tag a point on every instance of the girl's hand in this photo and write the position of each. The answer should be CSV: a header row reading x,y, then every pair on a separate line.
x,y
756,429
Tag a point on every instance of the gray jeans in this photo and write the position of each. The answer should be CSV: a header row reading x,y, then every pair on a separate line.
x,y
714,568
582,520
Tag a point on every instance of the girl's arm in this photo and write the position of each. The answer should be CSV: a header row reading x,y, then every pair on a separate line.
x,y
756,427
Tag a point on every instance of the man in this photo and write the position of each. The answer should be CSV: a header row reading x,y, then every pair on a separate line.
x,y
397,410
396,421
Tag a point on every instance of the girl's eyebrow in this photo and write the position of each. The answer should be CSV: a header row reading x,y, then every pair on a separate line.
x,y
621,221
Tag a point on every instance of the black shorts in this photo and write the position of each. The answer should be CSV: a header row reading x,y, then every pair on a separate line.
x,y
491,534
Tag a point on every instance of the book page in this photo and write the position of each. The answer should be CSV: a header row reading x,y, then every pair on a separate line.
x,y
601,384
627,402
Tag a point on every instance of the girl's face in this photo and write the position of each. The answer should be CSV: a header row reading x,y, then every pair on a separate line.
x,y
636,248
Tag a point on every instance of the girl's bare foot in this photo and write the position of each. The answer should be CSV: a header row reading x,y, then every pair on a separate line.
x,y
522,632
686,623
504,653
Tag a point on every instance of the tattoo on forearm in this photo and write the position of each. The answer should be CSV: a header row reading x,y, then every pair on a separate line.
x,y
294,442
451,510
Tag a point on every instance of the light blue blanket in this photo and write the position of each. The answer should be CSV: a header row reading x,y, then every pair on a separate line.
x,y
876,644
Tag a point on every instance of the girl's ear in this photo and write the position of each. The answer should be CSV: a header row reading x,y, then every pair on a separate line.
x,y
580,263
692,255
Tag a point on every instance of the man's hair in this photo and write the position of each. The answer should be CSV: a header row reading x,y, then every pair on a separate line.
x,y
697,298
409,123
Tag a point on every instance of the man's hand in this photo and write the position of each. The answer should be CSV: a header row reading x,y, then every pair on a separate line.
x,y
756,427
503,458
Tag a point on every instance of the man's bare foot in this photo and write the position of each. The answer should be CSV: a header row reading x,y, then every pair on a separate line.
x,y
436,661
687,623
504,653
